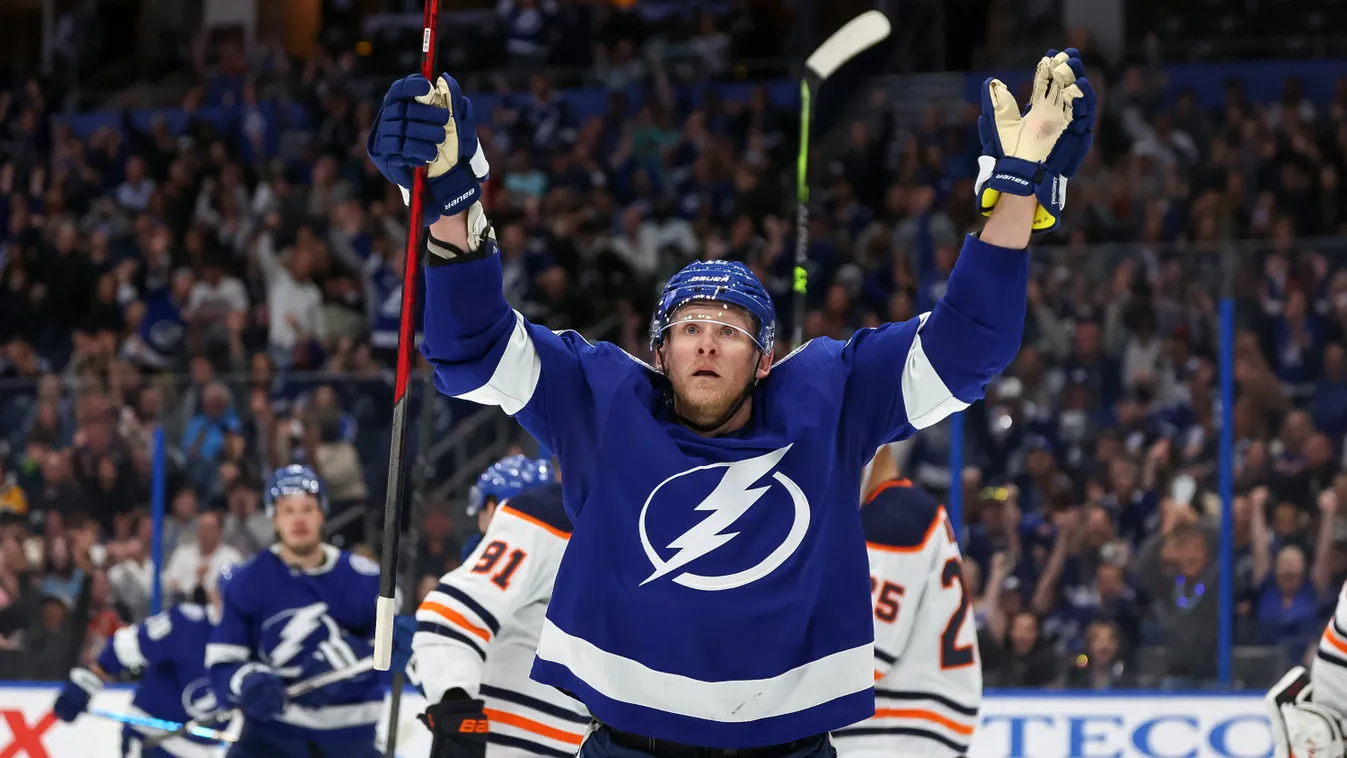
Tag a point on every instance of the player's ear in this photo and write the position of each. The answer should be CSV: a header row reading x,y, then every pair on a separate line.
x,y
764,366
659,358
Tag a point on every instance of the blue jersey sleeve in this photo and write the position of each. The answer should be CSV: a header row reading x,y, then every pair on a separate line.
x,y
485,352
907,376
161,638
232,644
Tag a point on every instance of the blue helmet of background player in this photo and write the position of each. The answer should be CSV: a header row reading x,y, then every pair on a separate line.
x,y
508,477
728,282
295,480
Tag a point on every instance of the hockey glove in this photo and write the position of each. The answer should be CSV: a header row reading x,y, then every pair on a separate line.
x,y
75,695
458,726
334,654
261,694
1032,154
421,125
1299,726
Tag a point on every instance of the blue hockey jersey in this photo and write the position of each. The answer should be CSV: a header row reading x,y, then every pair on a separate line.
x,y
275,616
169,652
714,591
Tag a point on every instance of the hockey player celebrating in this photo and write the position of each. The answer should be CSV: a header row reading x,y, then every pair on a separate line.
x,y
294,612
167,651
713,591
478,630
928,677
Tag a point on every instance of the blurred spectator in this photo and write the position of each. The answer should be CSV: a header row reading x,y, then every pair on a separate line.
x,y
193,567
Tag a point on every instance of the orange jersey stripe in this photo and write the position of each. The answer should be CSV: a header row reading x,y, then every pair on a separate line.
x,y
540,524
888,486
457,619
930,532
1332,638
529,725
953,726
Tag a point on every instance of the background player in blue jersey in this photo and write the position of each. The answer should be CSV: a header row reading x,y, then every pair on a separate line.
x,y
167,652
714,590
298,610
478,630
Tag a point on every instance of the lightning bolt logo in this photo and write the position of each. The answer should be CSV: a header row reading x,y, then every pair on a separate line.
x,y
730,500
296,631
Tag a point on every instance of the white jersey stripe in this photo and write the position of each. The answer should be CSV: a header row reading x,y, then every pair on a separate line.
x,y
333,717
927,399
515,378
625,680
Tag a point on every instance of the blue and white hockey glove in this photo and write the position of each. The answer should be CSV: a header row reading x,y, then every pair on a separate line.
x,y
334,655
421,125
75,695
261,692
1034,154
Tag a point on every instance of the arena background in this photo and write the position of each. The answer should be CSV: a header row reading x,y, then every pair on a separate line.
x,y
198,276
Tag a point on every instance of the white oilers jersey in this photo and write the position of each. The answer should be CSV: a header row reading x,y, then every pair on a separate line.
x,y
928,674
1329,672
479,629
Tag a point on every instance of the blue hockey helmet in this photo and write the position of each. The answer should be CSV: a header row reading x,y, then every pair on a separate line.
x,y
507,477
295,480
728,282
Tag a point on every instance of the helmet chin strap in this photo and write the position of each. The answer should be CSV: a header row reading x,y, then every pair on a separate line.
x,y
725,417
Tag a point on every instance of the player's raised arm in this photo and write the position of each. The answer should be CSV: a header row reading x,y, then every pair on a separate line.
x,y
482,350
947,356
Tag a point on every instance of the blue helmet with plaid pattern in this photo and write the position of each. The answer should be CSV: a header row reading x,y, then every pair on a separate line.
x,y
295,479
507,477
728,282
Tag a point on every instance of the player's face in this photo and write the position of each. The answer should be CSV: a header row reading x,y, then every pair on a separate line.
x,y
299,523
710,359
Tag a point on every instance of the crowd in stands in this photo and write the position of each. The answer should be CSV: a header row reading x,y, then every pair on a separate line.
x,y
237,290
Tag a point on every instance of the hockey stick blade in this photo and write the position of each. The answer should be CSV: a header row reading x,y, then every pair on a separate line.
x,y
846,43
172,727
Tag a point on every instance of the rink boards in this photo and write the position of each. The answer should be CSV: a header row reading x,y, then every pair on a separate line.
x,y
1023,724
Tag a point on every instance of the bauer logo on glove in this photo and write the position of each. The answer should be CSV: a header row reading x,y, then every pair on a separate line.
x,y
1033,153
431,126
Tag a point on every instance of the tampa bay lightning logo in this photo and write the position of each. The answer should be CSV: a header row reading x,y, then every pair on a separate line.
x,y
727,493
293,632
199,700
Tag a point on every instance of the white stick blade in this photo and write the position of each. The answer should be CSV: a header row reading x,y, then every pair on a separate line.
x,y
859,33
383,633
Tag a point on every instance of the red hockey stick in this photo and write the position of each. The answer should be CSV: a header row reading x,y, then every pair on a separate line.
x,y
388,564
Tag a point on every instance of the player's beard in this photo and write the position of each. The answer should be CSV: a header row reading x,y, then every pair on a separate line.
x,y
704,405
304,550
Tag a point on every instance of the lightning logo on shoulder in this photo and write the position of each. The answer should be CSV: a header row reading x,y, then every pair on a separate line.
x,y
732,497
